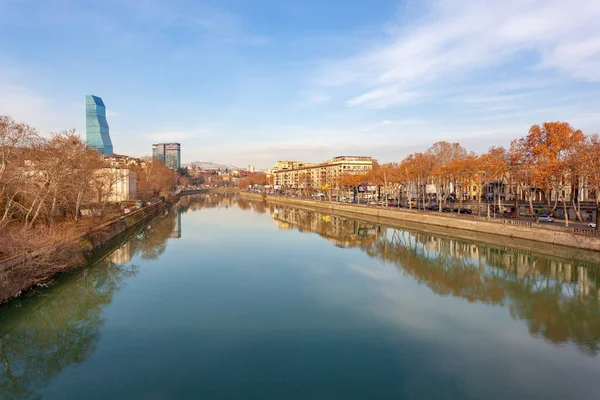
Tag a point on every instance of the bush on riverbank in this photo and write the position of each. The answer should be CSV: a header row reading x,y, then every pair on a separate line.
x,y
37,256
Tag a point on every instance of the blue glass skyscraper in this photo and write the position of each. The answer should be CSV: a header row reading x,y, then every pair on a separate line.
x,y
96,128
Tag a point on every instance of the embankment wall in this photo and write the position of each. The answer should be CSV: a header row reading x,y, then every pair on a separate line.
x,y
557,236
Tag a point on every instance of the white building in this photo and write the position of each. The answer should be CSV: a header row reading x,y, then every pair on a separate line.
x,y
117,184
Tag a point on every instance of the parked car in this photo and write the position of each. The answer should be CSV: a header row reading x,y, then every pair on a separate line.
x,y
447,209
433,207
592,225
509,214
545,218
465,211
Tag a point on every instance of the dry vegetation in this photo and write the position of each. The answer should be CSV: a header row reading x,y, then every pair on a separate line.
x,y
45,184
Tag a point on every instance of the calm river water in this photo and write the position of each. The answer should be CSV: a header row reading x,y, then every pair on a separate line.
x,y
225,299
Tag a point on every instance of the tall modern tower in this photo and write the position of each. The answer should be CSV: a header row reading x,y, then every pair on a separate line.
x,y
168,154
96,128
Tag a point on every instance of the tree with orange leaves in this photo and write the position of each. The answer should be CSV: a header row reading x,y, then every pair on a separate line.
x,y
586,165
442,154
548,149
494,163
258,178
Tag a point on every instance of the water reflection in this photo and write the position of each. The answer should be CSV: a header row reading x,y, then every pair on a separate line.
x,y
558,299
61,328
211,200
42,335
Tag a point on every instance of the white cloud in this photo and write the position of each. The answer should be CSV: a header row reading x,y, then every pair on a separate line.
x,y
459,38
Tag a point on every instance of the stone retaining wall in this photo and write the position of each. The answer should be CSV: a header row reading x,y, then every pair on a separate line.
x,y
576,238
99,235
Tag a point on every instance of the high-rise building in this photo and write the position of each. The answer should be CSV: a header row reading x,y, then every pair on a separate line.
x,y
97,134
168,154
176,233
251,168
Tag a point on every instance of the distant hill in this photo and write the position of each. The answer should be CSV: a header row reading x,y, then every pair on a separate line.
x,y
210,165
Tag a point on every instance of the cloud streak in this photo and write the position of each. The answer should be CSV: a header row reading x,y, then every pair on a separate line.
x,y
458,39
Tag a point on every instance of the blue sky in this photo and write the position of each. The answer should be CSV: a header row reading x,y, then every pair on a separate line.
x,y
250,82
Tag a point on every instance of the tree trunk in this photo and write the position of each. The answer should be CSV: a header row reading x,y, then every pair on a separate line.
x,y
565,211
479,191
577,207
597,215
531,208
555,206
499,197
53,208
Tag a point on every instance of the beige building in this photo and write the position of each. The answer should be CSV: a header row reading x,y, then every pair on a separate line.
x,y
298,175
121,161
117,184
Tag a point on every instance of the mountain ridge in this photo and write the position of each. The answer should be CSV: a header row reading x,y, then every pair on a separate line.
x,y
210,165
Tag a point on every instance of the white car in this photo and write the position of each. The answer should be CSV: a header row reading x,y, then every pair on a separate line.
x,y
592,225
545,218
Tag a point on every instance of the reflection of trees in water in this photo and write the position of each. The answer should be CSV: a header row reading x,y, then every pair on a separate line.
x,y
208,200
151,242
56,330
259,207
41,336
558,299
218,200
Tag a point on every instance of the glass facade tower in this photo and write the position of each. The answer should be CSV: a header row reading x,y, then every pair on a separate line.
x,y
96,128
168,154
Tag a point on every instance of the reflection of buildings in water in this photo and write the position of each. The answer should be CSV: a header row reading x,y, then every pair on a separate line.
x,y
122,255
587,286
347,232
283,225
558,299
176,233
340,231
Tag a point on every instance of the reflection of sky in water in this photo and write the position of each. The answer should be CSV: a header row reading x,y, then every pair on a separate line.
x,y
238,308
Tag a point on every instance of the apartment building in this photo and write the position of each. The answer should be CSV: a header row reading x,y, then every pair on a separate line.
x,y
298,175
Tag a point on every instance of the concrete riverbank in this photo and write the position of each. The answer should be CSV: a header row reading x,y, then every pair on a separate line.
x,y
563,241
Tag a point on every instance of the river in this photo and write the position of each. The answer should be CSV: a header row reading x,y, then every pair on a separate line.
x,y
227,299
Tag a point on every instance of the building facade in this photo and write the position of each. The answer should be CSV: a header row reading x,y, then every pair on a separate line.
x,y
97,133
298,175
168,153
122,161
118,184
